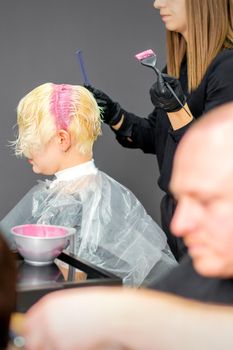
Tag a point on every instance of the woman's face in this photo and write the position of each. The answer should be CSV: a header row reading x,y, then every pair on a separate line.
x,y
47,159
173,13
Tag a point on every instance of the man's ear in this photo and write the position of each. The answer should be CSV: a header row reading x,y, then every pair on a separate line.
x,y
64,140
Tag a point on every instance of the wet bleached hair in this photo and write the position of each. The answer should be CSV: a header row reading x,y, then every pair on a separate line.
x,y
51,107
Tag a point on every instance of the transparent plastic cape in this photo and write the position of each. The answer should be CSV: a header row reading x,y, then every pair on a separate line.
x,y
113,230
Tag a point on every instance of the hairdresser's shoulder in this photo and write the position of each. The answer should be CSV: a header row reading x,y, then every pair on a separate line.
x,y
220,71
224,57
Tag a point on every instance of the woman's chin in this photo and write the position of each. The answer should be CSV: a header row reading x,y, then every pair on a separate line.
x,y
36,170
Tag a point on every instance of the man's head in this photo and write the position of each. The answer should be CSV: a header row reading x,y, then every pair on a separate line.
x,y
202,183
54,121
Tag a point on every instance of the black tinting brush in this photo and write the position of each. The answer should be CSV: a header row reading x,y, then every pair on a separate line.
x,y
149,59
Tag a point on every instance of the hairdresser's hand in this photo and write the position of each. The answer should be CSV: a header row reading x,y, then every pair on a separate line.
x,y
111,111
163,98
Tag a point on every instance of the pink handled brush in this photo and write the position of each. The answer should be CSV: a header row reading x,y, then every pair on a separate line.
x,y
149,59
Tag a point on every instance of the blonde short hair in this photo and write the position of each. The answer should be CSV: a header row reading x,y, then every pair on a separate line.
x,y
52,107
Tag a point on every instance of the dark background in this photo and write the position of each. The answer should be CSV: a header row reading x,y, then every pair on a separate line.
x,y
39,39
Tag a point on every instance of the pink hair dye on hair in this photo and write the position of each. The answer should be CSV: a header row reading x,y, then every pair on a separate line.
x,y
61,105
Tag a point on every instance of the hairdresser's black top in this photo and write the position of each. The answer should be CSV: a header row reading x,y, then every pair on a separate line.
x,y
186,282
155,135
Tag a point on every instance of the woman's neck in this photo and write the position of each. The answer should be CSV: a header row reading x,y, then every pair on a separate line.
x,y
73,158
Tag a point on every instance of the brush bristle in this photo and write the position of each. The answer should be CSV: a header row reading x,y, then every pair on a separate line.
x,y
141,55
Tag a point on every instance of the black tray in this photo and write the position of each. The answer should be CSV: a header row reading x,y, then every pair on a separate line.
x,y
36,281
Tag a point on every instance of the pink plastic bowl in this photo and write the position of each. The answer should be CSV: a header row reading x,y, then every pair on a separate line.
x,y
41,244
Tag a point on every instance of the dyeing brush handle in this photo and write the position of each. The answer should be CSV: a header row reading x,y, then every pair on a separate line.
x,y
176,97
160,76
82,67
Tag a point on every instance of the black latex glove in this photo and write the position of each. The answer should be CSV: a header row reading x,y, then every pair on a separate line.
x,y
111,111
163,98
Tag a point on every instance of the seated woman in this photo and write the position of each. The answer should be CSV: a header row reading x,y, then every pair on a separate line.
x,y
7,290
57,126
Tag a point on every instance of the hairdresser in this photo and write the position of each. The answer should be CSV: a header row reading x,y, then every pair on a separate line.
x,y
200,71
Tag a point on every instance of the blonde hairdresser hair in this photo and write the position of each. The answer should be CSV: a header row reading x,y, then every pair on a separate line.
x,y
210,30
51,107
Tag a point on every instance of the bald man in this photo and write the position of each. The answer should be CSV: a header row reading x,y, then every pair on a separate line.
x,y
100,318
202,183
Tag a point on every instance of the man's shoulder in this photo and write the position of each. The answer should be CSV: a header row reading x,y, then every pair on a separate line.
x,y
175,279
186,282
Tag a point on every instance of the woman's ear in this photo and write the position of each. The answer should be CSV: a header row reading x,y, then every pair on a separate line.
x,y
64,140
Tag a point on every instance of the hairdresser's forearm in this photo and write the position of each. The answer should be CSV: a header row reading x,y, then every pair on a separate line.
x,y
177,119
180,118
118,125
